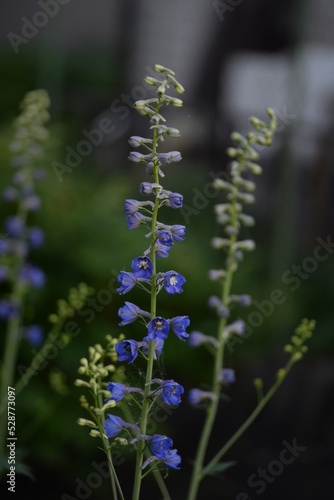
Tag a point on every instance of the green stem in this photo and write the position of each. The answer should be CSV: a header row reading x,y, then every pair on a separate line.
x,y
113,476
218,365
10,354
212,410
149,368
248,422
39,358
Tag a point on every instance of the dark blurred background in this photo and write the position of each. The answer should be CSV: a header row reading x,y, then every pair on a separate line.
x,y
234,58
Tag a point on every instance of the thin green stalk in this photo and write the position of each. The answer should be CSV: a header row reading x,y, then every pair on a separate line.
x,y
149,369
38,359
113,476
218,365
212,410
248,422
12,345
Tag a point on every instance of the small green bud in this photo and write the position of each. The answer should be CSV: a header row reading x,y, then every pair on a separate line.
x,y
94,433
258,383
235,136
81,383
253,167
122,441
232,152
281,373
288,348
297,357
152,81
54,318
162,69
256,122
84,421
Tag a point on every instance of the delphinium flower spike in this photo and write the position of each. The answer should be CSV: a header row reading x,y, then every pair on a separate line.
x,y
239,192
154,452
17,274
144,268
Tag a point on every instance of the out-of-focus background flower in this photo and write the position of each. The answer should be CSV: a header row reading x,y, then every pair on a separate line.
x,y
234,58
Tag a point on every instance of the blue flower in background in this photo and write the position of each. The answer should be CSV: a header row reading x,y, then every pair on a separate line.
x,y
171,392
14,226
142,267
33,334
113,425
158,327
127,282
36,237
179,325
33,275
173,282
128,313
9,194
7,309
4,246
118,391
127,350
227,376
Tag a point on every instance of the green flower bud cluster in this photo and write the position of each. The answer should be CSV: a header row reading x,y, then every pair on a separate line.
x,y
297,347
76,300
93,370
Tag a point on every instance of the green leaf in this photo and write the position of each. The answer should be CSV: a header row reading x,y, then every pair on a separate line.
x,y
221,467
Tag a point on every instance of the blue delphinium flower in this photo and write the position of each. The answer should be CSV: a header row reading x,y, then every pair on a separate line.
x,y
178,232
134,220
172,459
142,267
127,282
158,327
129,313
160,445
165,238
161,251
171,392
179,325
118,391
173,282
127,350
175,200
158,346
113,425
131,206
